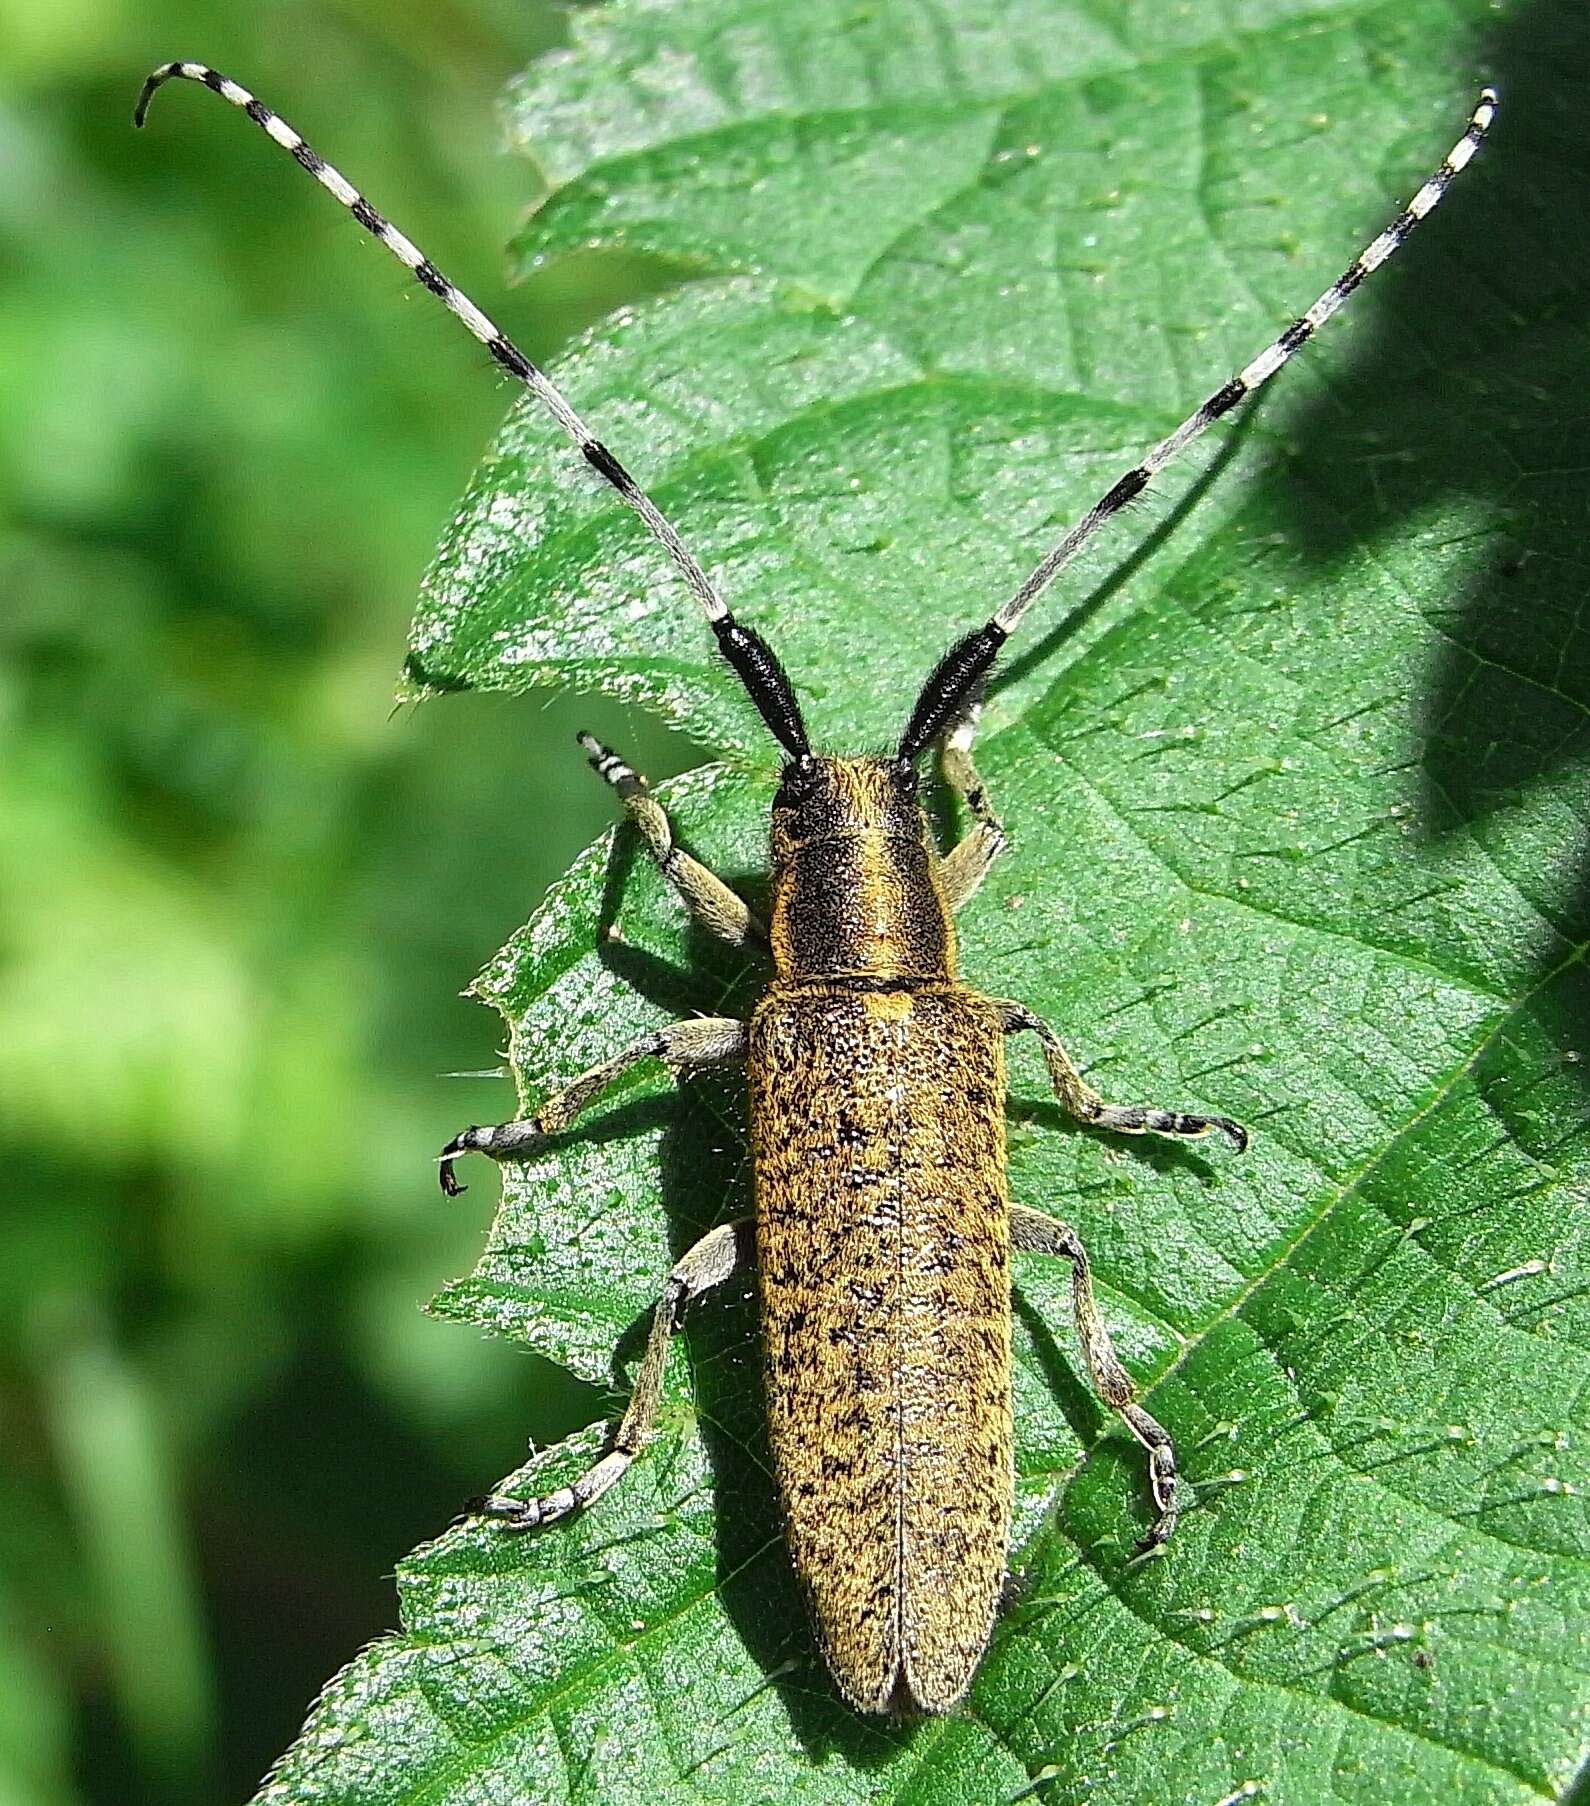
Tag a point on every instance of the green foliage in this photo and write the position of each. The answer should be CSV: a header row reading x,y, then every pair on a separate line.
x,y
1297,781
237,895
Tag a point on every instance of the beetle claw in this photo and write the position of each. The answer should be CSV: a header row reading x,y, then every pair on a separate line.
x,y
446,1167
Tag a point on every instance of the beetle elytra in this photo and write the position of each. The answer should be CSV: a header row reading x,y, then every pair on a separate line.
x,y
883,1230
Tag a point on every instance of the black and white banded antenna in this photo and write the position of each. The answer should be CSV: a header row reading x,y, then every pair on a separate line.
x,y
960,674
747,652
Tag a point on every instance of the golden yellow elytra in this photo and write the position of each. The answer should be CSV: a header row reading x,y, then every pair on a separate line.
x,y
883,1228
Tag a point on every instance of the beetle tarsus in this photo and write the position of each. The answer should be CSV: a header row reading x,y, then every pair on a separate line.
x,y
512,1514
467,1141
1233,1131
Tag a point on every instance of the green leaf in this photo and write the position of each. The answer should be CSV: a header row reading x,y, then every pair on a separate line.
x,y
1295,769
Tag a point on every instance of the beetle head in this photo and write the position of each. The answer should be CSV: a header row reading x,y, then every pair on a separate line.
x,y
824,798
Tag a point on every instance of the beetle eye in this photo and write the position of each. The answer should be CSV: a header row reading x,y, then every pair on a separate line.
x,y
796,784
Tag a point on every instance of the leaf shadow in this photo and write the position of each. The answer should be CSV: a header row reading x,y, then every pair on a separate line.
x,y
1577,1792
1086,1417
1468,384
659,981
1151,1151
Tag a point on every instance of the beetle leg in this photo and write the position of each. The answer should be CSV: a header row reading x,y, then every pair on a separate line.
x,y
1035,1232
966,864
1079,1097
718,909
702,1041
711,1261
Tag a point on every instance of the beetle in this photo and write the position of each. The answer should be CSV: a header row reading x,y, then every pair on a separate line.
x,y
883,1230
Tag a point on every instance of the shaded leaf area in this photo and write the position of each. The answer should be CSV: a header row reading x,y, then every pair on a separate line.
x,y
1296,782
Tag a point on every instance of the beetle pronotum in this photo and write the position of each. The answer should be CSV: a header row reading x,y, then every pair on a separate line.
x,y
883,1231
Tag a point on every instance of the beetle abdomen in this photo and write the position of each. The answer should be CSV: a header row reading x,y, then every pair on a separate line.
x,y
884,1260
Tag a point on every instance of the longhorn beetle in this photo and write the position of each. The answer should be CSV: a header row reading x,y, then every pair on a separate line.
x,y
883,1230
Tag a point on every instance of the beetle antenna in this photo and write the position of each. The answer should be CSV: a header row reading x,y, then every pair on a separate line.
x,y
967,663
746,651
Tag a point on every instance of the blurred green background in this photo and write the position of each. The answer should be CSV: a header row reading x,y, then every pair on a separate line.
x,y
238,894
